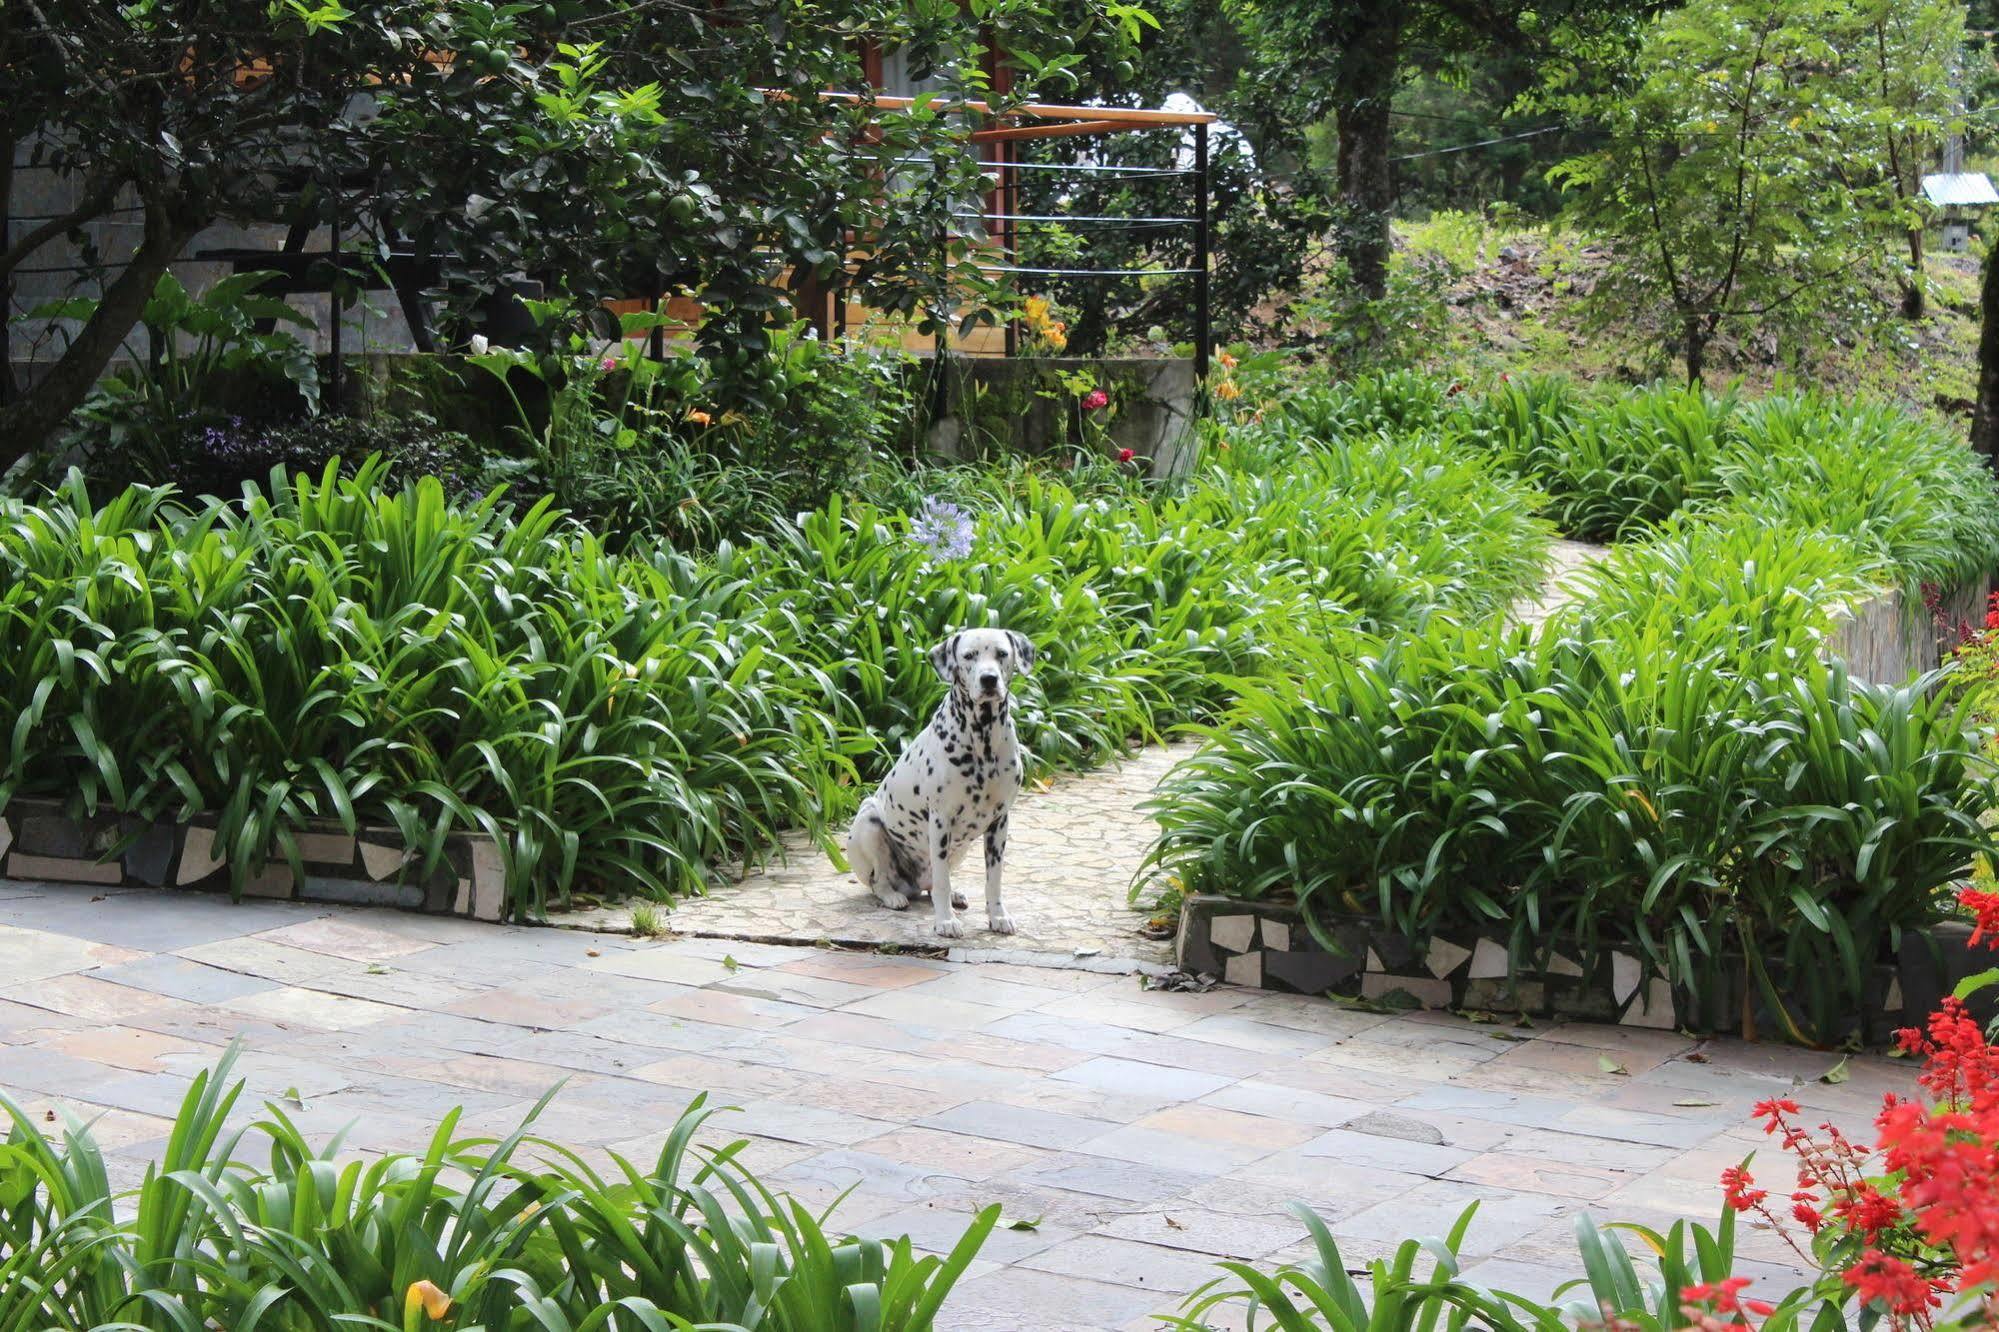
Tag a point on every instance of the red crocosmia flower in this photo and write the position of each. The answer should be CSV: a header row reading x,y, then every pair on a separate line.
x,y
1984,908
1095,400
1725,1295
1736,1190
1126,455
1890,1283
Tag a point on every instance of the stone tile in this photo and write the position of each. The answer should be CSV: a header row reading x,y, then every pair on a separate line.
x,y
1108,1177
1388,1153
271,960
662,963
124,1047
1222,1234
1167,1273
1243,1033
937,1227
1206,1123
961,1154
344,938
775,984
1275,1101
84,995
1525,1173
941,1014
27,955
869,969
824,1177
179,978
1018,1124
1130,1077
970,985
1432,1208
1172,1150
314,1008
1099,1039
717,1007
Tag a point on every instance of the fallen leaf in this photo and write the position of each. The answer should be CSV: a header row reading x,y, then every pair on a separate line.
x,y
292,1095
729,962
591,952
1697,1058
1509,1037
1609,1065
49,1117
1088,952
1835,1075
1692,1103
1174,1224
1020,1223
377,969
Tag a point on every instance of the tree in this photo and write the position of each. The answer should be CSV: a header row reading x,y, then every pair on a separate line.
x,y
1346,59
1910,51
1735,182
596,147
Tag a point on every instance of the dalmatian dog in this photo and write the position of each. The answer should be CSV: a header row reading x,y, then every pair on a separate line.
x,y
953,785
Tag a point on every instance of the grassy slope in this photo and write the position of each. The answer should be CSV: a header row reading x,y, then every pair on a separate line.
x,y
1523,312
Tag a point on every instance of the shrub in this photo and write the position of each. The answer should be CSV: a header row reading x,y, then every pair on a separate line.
x,y
221,458
471,1232
1687,782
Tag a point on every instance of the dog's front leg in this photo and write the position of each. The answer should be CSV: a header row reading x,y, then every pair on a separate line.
x,y
996,917
940,878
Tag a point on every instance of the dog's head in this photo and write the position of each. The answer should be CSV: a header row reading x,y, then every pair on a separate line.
x,y
979,663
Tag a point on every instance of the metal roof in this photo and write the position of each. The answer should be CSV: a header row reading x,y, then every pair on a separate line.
x,y
1962,187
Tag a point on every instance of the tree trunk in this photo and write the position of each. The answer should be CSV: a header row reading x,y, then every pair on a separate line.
x,y
1365,90
27,423
1985,418
1696,351
1912,286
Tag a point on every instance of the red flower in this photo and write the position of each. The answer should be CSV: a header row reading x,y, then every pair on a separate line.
x,y
1984,907
1868,1210
1773,1111
1808,1216
1096,399
1125,455
1725,1295
1891,1283
1735,1190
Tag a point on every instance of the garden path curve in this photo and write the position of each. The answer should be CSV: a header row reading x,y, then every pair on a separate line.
x,y
1076,846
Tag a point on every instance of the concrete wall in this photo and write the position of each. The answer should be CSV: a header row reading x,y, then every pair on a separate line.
x,y
1894,637
1025,405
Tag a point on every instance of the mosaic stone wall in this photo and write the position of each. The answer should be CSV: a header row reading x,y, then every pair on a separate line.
x,y
1267,946
38,841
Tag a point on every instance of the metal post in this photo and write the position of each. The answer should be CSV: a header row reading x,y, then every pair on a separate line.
x,y
1201,335
656,339
333,287
1009,196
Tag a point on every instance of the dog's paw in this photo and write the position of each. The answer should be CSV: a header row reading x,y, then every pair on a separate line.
x,y
950,929
958,901
893,901
1000,922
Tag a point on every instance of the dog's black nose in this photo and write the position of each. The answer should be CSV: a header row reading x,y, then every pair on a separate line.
x,y
989,681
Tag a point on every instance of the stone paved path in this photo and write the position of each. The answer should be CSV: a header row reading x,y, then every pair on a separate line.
x,y
1073,851
1151,1132
1075,848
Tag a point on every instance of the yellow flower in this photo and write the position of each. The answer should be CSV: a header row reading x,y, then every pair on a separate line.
x,y
1057,339
435,1303
1035,310
1228,390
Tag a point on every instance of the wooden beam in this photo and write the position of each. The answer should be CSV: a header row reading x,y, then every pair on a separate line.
x,y
1115,115
1050,130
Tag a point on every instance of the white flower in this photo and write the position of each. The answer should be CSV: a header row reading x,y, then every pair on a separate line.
x,y
479,344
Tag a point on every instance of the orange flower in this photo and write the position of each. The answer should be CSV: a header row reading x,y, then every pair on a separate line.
x,y
700,418
435,1303
1228,390
1228,361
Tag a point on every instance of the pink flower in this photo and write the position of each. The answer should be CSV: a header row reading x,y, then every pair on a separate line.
x,y
609,363
1095,400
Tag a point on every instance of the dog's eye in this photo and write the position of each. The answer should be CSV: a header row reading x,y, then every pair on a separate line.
x,y
1002,655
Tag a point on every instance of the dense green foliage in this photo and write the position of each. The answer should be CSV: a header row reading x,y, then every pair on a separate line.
x,y
1669,766
471,1232
624,722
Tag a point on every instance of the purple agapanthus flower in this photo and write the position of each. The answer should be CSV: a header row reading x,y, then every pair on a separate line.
x,y
942,528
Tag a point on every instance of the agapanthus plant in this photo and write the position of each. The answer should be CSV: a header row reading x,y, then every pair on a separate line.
x,y
942,528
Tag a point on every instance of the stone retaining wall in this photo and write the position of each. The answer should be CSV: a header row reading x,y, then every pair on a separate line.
x,y
1268,946
1894,637
372,867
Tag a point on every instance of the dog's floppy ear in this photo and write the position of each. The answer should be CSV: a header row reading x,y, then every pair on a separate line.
x,y
1022,650
941,655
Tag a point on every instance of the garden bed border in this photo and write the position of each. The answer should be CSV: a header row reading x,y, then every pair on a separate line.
x,y
372,866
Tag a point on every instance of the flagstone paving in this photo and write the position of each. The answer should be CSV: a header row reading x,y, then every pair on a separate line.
x,y
1148,1132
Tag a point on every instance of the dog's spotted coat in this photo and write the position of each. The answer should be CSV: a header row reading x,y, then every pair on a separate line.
x,y
953,785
